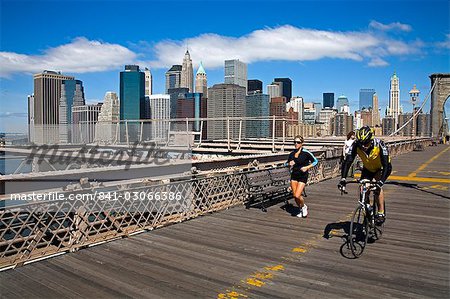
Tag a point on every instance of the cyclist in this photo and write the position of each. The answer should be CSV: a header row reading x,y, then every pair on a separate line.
x,y
377,164
300,161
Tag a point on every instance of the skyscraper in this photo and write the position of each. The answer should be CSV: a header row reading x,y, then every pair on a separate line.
x,y
343,123
366,98
105,129
254,85
225,100
275,89
341,102
132,102
175,94
47,95
376,121
132,93
201,81
236,72
328,100
297,104
393,109
173,77
72,94
148,82
278,109
257,105
286,87
159,111
84,118
187,72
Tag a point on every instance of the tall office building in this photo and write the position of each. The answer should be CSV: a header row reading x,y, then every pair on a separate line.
x,y
160,112
225,100
297,105
341,102
376,121
191,105
366,98
286,87
403,119
343,123
72,94
236,72
132,93
275,90
173,77
423,125
47,95
254,85
278,109
84,118
309,113
326,116
187,73
109,116
175,94
132,102
328,100
388,125
201,81
393,109
148,82
257,105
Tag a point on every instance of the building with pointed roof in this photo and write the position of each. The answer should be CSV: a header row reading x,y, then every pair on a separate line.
x,y
201,81
187,72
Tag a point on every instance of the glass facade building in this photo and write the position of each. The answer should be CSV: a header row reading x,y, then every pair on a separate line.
x,y
257,105
328,99
287,87
366,98
132,93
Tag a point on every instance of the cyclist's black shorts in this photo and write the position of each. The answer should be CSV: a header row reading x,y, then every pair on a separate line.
x,y
299,176
366,174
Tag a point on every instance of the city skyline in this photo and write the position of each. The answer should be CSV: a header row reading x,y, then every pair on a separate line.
x,y
389,42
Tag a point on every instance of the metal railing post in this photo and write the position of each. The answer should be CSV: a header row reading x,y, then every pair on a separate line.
x,y
201,134
284,134
126,132
273,133
228,133
240,134
142,129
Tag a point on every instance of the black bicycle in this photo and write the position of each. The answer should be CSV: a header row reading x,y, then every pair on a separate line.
x,y
364,225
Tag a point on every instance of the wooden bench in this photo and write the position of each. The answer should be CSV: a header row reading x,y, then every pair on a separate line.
x,y
266,184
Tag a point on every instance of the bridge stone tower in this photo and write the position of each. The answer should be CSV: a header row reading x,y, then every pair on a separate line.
x,y
439,96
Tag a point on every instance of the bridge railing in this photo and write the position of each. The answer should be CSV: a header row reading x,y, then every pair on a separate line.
x,y
69,220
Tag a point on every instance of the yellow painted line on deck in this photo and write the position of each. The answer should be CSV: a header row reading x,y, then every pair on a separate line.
x,y
414,179
422,167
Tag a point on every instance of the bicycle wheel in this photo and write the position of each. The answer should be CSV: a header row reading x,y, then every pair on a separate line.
x,y
379,227
358,234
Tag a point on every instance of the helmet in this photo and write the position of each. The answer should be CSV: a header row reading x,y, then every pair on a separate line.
x,y
364,135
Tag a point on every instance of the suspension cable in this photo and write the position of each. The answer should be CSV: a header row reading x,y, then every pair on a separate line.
x,y
418,110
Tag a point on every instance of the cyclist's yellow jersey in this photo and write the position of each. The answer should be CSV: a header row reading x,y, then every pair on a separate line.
x,y
372,159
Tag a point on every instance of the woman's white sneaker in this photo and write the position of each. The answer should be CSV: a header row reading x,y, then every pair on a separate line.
x,y
304,211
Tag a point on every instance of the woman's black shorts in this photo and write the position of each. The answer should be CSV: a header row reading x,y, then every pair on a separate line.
x,y
299,176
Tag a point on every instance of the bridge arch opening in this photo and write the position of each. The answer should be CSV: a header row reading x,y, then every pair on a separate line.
x,y
439,97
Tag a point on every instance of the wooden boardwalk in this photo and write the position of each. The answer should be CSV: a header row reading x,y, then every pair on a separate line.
x,y
242,253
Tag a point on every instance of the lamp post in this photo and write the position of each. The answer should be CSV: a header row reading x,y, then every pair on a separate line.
x,y
414,99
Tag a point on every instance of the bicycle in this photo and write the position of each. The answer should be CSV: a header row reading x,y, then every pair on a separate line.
x,y
363,224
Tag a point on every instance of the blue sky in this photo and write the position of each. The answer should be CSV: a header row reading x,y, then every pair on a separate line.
x,y
323,46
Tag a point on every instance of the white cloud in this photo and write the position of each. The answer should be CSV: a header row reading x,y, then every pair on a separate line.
x,y
445,44
286,43
79,56
391,26
377,62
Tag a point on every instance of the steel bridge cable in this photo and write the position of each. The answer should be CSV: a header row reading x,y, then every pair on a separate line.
x,y
418,110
